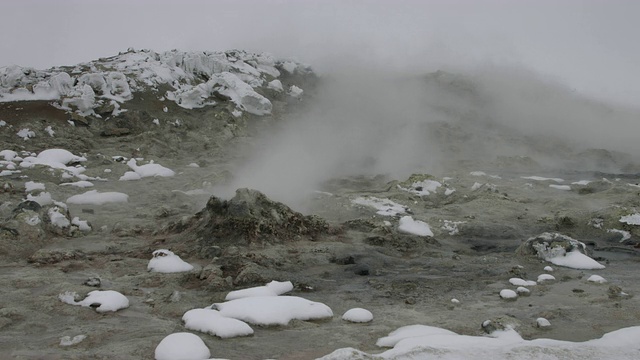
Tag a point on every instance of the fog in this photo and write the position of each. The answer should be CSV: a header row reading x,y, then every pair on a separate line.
x,y
517,78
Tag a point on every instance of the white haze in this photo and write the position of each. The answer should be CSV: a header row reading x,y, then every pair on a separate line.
x,y
371,120
531,64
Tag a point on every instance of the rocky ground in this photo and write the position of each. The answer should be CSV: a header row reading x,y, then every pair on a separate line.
x,y
339,253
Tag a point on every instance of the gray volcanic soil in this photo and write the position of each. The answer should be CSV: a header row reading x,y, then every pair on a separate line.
x,y
356,261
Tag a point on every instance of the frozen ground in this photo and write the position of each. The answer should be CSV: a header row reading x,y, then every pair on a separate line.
x,y
432,249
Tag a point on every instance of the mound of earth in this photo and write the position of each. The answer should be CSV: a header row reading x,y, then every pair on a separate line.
x,y
249,218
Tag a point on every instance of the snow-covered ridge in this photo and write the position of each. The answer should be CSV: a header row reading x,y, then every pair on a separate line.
x,y
197,79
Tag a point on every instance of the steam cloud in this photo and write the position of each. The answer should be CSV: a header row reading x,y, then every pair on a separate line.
x,y
380,120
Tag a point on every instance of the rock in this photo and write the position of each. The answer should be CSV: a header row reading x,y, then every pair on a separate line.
x,y
615,292
210,271
346,260
93,282
175,297
79,119
549,245
361,269
54,256
115,132
523,291
518,271
27,205
252,274
106,108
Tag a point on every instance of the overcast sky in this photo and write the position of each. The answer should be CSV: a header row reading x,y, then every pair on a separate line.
x,y
590,45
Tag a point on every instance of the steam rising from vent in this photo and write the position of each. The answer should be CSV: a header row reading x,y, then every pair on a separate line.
x,y
376,122
358,124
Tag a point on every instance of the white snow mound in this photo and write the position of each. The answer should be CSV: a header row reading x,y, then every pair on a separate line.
x,y
93,197
101,300
409,225
358,315
165,261
211,322
273,288
182,346
273,310
150,169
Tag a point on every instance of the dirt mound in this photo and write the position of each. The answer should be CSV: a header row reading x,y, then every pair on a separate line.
x,y
249,218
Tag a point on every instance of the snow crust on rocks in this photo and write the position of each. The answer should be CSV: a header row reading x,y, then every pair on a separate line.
x,y
422,188
273,310
426,342
275,85
597,279
165,261
274,288
30,186
542,322
68,341
576,260
56,159
57,218
210,321
197,79
358,315
150,169
522,282
410,331
385,207
107,300
558,255
182,346
80,184
540,178
545,277
93,197
409,225
508,294
633,219
521,290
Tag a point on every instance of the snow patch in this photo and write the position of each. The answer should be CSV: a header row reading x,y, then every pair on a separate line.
x,y
521,282
597,279
93,197
165,261
385,207
273,310
408,225
273,288
150,169
508,294
30,186
101,300
358,315
633,219
182,346
540,178
211,322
